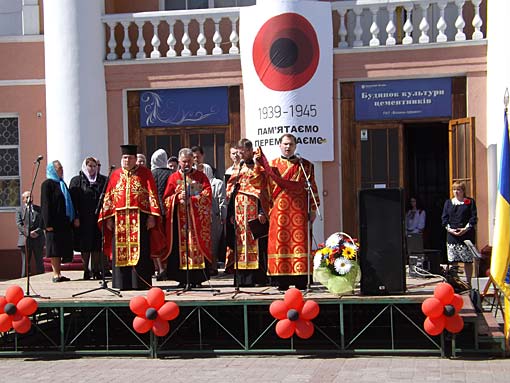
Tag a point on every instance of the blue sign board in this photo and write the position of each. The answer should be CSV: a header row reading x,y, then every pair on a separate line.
x,y
403,99
184,107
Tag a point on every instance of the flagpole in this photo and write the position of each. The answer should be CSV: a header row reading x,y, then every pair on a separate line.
x,y
506,309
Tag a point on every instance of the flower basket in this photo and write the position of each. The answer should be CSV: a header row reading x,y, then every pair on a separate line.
x,y
335,264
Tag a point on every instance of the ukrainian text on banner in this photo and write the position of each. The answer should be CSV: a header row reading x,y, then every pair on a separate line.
x,y
397,99
287,67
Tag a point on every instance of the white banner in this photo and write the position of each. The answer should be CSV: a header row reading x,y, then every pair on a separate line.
x,y
287,67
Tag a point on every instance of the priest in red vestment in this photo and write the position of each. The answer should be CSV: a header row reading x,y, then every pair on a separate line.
x,y
188,202
132,223
288,219
248,200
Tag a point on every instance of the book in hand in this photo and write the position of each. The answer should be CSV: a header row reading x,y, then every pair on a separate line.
x,y
258,230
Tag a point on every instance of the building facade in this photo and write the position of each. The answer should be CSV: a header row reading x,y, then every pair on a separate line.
x,y
78,78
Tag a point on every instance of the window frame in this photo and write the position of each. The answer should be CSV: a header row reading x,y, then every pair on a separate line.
x,y
13,208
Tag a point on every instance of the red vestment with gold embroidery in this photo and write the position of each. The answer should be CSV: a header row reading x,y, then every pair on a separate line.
x,y
288,219
128,194
252,189
199,209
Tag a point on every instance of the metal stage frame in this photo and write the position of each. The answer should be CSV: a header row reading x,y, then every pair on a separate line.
x,y
349,325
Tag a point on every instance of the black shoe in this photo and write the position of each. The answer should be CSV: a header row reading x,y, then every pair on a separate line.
x,y
283,287
107,273
161,276
60,279
181,285
86,275
97,275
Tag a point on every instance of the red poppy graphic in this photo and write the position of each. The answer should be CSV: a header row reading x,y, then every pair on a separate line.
x,y
467,201
286,52
442,311
15,309
153,313
294,315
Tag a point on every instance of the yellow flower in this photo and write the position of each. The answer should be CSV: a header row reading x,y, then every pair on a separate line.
x,y
349,253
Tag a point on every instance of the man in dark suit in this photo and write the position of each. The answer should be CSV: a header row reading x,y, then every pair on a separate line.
x,y
34,234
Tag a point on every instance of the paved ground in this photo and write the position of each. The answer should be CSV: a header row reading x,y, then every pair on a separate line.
x,y
248,369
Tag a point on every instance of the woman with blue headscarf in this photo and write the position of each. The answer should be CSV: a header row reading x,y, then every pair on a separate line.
x,y
58,215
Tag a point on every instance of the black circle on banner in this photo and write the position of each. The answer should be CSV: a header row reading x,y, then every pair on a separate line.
x,y
286,52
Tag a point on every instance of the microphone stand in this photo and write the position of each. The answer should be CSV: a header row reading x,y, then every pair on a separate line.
x,y
187,231
26,225
309,192
103,285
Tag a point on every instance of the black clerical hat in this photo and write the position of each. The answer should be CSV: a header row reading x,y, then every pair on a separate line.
x,y
129,149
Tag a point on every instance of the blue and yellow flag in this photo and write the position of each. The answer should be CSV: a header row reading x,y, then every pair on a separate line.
x,y
501,242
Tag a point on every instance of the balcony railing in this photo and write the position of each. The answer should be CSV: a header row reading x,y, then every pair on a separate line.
x,y
356,24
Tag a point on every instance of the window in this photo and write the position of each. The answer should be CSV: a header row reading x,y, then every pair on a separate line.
x,y
174,5
9,163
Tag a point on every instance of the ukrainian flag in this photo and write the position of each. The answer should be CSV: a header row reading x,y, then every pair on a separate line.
x,y
501,242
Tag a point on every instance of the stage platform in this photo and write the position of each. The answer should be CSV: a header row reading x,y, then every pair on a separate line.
x,y
217,319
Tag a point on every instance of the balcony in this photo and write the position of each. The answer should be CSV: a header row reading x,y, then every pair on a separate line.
x,y
357,24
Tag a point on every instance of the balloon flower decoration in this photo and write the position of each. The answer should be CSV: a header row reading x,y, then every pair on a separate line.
x,y
15,309
442,311
294,315
152,313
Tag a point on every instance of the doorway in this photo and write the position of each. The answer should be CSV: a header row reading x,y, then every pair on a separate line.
x,y
427,176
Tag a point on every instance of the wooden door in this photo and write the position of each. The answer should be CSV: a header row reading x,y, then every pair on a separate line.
x,y
461,137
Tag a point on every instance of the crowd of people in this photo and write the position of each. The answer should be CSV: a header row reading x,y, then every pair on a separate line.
x,y
173,219
176,221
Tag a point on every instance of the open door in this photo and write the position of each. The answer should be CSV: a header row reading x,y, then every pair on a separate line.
x,y
461,137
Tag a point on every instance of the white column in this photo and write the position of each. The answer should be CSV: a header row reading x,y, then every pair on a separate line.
x,y
74,50
498,79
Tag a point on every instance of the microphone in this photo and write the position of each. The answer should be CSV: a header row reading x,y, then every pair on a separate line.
x,y
112,167
186,170
39,158
241,164
298,156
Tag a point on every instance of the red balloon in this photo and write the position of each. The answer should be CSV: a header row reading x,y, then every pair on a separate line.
x,y
5,322
434,326
14,294
454,324
279,309
168,311
294,299
141,325
285,328
22,326
156,297
160,327
444,292
3,302
27,306
304,329
457,302
310,310
139,306
432,307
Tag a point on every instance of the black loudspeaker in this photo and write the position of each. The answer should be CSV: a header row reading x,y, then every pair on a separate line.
x,y
382,241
